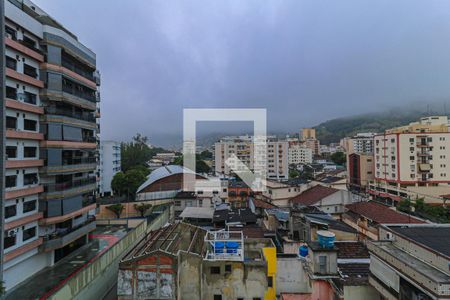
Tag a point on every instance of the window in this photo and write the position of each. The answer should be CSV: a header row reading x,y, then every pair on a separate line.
x,y
411,158
29,233
217,297
9,241
11,122
411,140
30,125
322,264
10,211
30,98
11,151
29,179
10,181
215,270
270,281
29,206
11,93
29,152
11,33
177,203
11,63
228,268
30,71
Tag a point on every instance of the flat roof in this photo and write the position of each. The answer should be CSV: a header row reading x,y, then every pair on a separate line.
x,y
434,236
198,213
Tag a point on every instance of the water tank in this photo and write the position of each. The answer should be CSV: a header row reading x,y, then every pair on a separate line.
x,y
326,238
303,250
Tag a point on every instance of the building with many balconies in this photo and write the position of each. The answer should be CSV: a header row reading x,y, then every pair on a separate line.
x,y
413,161
51,140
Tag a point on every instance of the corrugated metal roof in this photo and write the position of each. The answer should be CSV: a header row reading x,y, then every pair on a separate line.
x,y
163,172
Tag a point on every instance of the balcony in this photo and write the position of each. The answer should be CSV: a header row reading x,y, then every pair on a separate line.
x,y
86,116
73,164
64,236
69,188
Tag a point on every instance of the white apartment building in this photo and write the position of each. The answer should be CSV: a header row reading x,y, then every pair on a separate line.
x,y
413,161
362,143
242,147
299,154
109,165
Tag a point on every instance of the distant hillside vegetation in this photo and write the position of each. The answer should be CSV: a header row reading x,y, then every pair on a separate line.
x,y
333,130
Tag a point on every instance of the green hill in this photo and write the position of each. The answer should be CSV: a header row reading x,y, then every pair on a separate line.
x,y
333,130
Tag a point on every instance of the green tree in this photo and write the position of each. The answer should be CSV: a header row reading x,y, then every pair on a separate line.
x,y
338,158
116,209
119,183
293,173
206,155
134,178
200,165
142,208
404,205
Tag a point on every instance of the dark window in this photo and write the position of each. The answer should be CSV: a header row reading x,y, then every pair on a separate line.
x,y
29,42
29,152
11,33
217,297
11,63
29,233
215,270
29,98
29,125
227,268
11,122
29,179
72,133
9,241
10,211
270,281
10,181
11,151
29,206
256,298
11,93
30,71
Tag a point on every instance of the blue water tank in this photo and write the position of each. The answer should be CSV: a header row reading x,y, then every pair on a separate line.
x,y
326,238
303,250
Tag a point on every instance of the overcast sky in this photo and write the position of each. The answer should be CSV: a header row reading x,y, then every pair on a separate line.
x,y
305,61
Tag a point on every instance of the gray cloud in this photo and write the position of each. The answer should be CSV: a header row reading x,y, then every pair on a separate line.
x,y
305,61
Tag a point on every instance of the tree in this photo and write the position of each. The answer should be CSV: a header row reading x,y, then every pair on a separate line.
x,y
119,183
142,208
404,205
200,165
134,178
293,173
206,155
116,209
135,153
338,158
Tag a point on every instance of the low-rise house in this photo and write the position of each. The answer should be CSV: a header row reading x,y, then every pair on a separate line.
x,y
366,217
259,206
182,261
329,200
276,219
411,261
201,216
233,217
183,200
279,193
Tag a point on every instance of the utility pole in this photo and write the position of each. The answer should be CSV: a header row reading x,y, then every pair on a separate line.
x,y
2,131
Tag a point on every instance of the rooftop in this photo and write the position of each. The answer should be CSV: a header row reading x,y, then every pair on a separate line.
x,y
198,213
262,204
170,239
434,236
313,195
163,172
351,250
236,215
381,214
326,219
280,215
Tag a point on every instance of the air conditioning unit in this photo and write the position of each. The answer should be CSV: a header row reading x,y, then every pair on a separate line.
x,y
12,232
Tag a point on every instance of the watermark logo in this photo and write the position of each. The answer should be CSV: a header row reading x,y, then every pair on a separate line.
x,y
253,174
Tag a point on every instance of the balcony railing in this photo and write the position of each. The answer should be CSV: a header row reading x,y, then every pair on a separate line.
x,y
88,96
73,67
60,232
68,113
58,187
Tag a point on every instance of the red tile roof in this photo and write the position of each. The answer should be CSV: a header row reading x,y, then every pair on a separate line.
x,y
381,214
263,204
313,195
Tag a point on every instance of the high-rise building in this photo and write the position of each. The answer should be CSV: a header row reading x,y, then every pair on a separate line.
x,y
52,104
413,161
299,154
243,148
109,157
361,143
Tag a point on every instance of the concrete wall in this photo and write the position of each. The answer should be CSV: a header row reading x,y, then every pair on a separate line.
x,y
359,292
95,280
128,211
291,277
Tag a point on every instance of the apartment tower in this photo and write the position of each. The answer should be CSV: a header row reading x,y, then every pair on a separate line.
x,y
413,161
51,141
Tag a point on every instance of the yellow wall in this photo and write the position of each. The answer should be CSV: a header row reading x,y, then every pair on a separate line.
x,y
270,254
